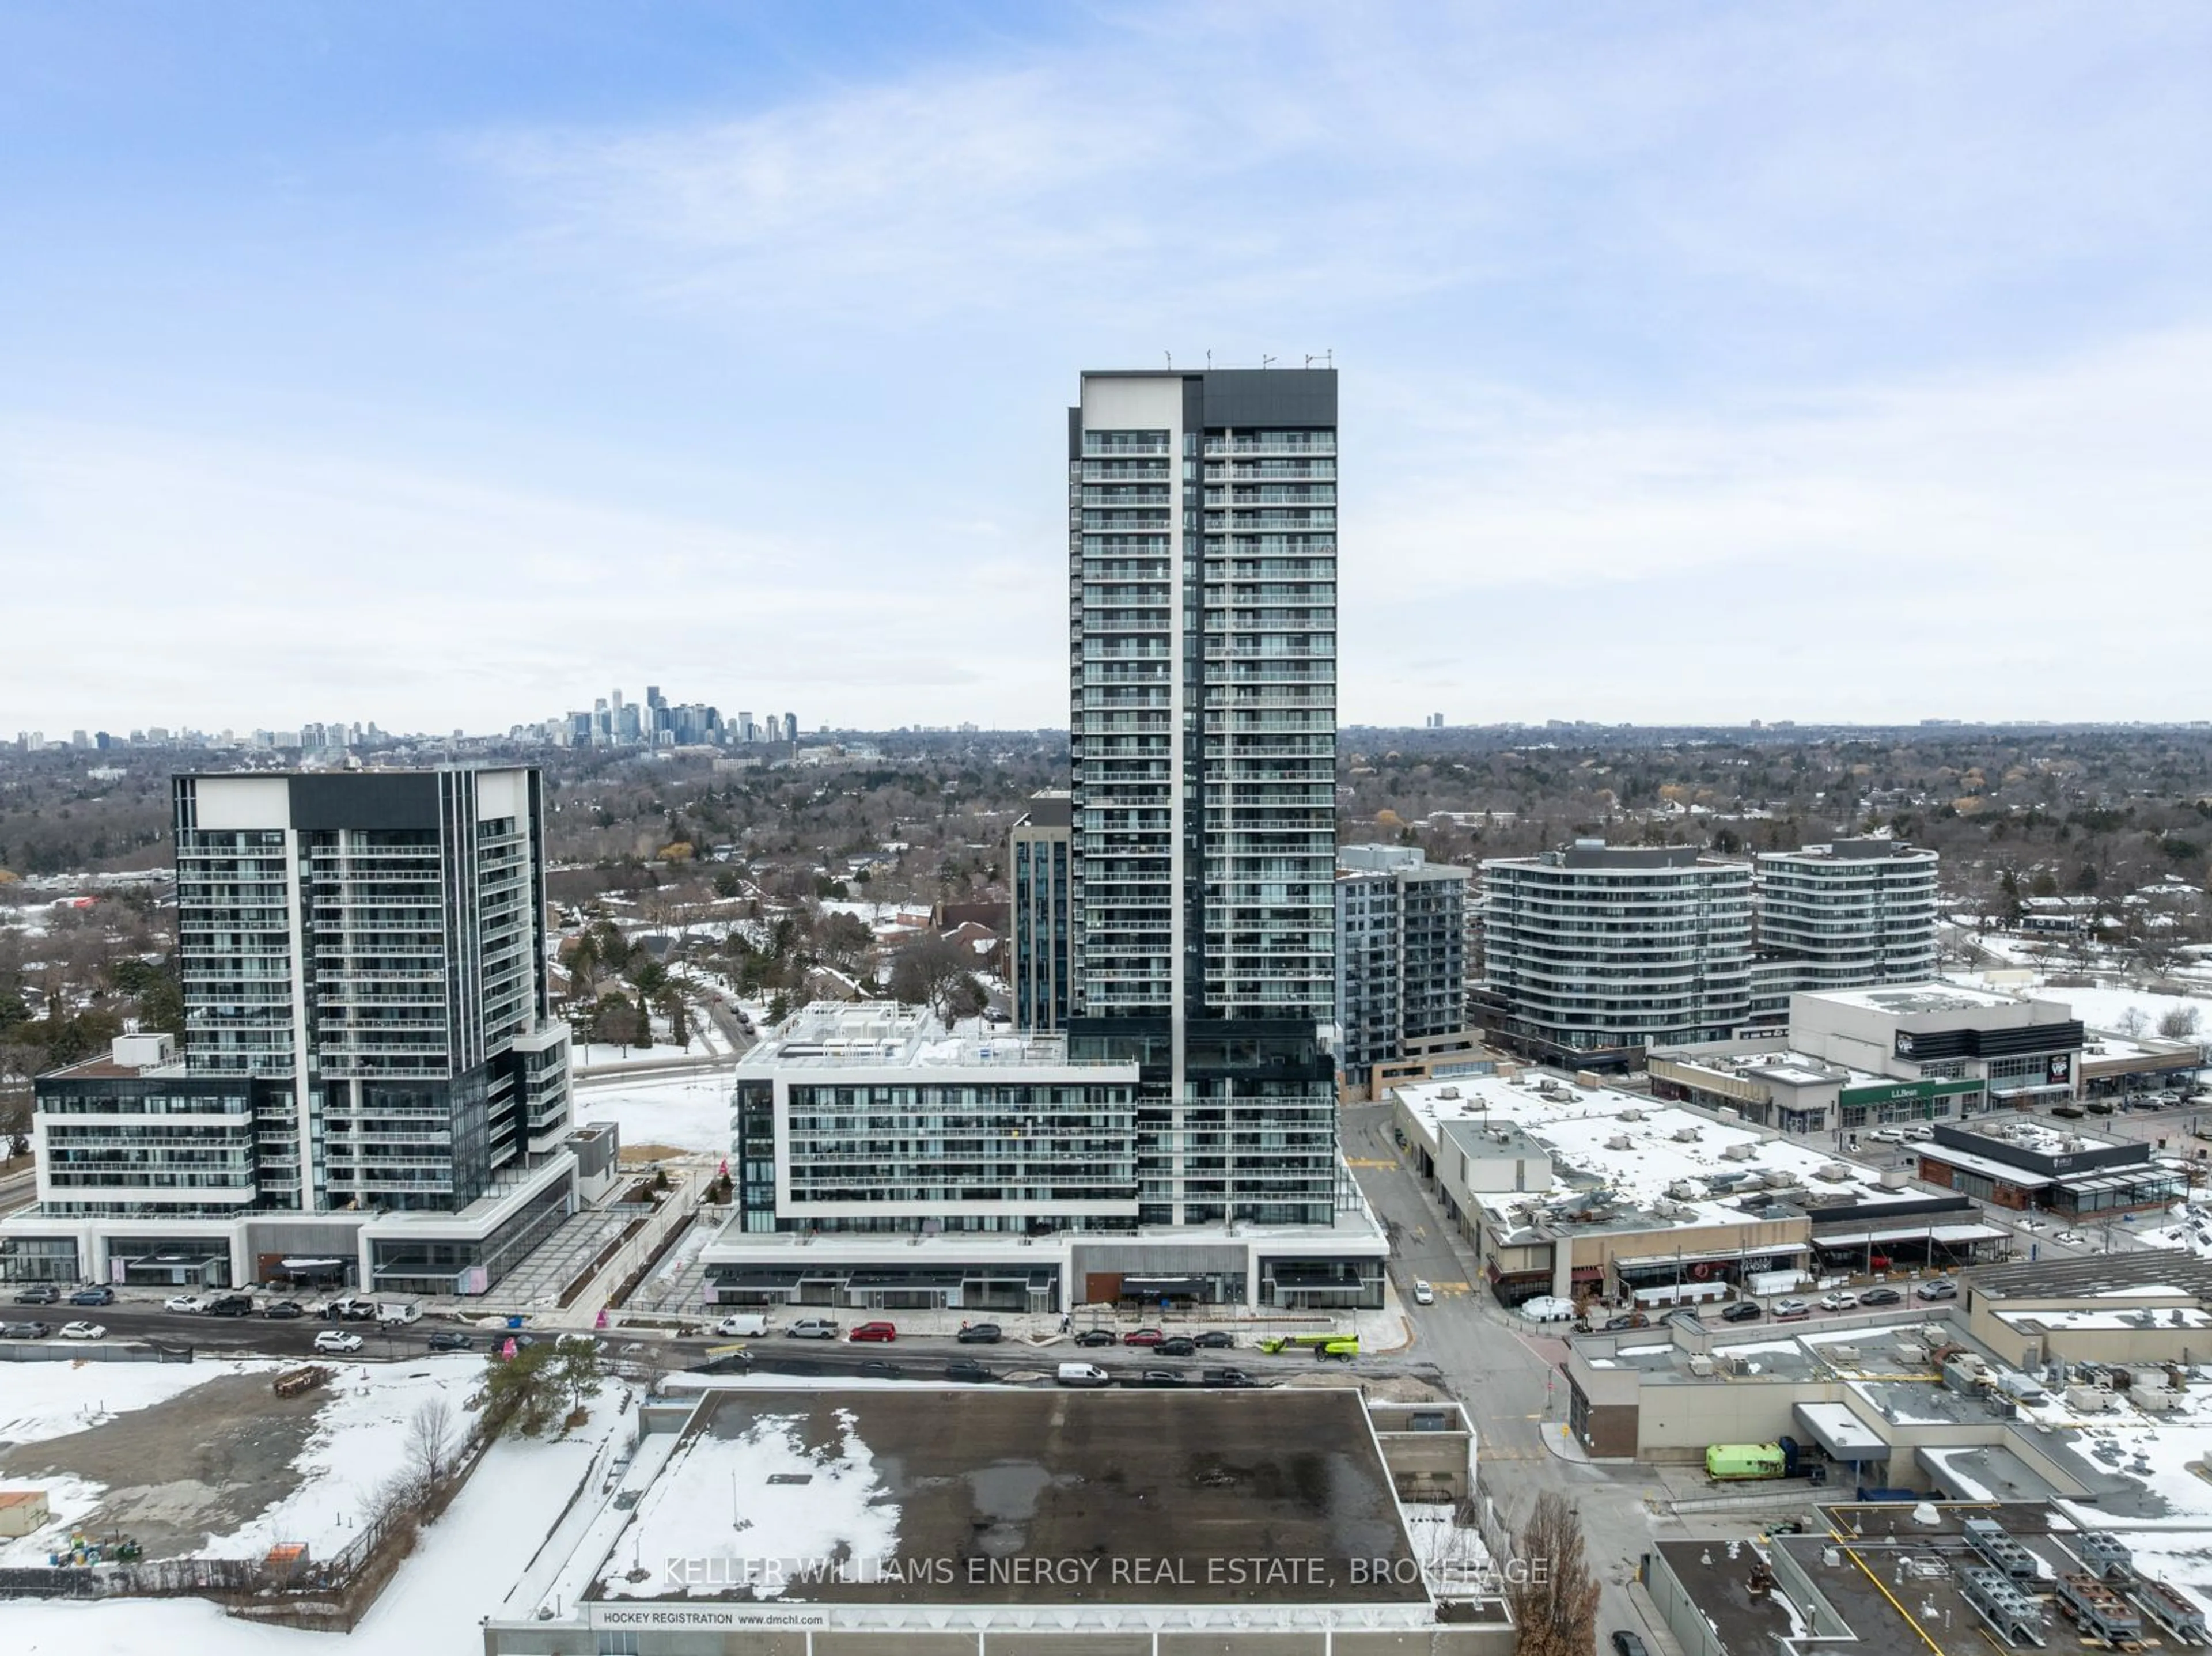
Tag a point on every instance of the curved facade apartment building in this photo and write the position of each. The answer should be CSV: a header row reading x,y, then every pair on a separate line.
x,y
1849,914
1595,952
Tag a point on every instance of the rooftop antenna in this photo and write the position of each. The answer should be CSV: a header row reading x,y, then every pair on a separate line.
x,y
1170,357
1267,361
1209,362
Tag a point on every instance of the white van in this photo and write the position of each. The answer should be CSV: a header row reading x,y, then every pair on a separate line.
x,y
743,1325
1083,1374
399,1311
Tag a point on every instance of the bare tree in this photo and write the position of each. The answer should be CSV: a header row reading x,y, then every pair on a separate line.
x,y
431,1445
2131,1022
2178,1022
1555,1601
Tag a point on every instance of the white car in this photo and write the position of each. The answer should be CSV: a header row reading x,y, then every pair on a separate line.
x,y
1841,1300
1423,1294
2068,1236
83,1332
1887,1136
337,1340
186,1304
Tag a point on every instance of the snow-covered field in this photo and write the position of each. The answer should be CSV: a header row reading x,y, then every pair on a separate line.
x,y
684,1111
457,1576
359,1442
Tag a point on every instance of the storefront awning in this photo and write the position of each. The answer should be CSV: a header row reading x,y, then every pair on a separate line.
x,y
314,1265
1708,1256
1953,1234
1840,1432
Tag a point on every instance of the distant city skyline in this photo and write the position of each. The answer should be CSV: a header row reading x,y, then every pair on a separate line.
x,y
1708,364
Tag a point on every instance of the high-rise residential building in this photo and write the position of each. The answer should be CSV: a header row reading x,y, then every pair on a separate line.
x,y
1037,855
1401,953
1595,952
369,1068
1202,677
1177,1143
1850,915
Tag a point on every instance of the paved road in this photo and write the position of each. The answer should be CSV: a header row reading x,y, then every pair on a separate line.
x,y
1501,1369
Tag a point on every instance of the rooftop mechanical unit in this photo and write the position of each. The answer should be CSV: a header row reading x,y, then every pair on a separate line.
x,y
2017,1617
1987,1536
2106,1553
2177,1614
2098,1609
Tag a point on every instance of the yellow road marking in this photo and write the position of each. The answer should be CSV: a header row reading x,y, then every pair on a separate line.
x,y
1364,1161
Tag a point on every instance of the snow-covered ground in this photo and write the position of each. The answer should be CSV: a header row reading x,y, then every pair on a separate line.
x,y
457,1576
683,1112
359,1442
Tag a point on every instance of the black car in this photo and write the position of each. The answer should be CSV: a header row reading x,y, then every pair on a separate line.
x,y
980,1334
232,1304
1627,1644
877,1369
1232,1378
1214,1339
446,1339
968,1369
92,1296
1743,1311
1097,1336
283,1310
1162,1377
1176,1346
43,1293
24,1331
1882,1297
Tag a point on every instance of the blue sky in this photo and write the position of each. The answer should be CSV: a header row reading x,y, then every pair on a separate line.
x,y
443,365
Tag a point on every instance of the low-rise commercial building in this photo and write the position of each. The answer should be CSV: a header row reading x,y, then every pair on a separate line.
x,y
2024,1164
1574,1190
943,1521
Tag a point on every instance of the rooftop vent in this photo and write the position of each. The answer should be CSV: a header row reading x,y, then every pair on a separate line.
x,y
1685,1135
1620,1141
1736,1152
1631,1115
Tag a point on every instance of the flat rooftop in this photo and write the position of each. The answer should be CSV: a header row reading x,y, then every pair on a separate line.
x,y
1906,1000
883,1034
966,1495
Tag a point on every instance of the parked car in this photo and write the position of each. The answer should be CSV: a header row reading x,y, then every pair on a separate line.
x,y
230,1304
742,1325
446,1339
83,1332
1626,1319
811,1328
1177,1345
39,1294
24,1331
337,1340
877,1369
2097,1106
1082,1373
1921,1135
1143,1337
1162,1377
1842,1300
1790,1311
968,1369
2068,1110
980,1334
1942,1289
1882,1297
1887,1136
184,1305
1230,1378
1095,1337
1743,1311
283,1310
92,1296
1626,1643
1214,1339
1423,1294
880,1333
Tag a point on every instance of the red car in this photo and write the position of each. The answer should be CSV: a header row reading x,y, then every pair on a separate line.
x,y
1142,1337
884,1334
